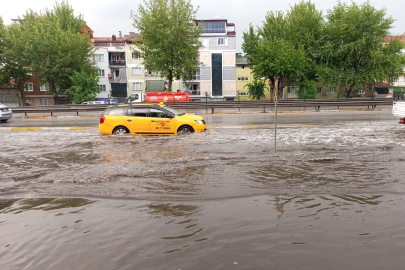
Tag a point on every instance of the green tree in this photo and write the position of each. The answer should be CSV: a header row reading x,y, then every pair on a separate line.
x,y
14,67
307,90
168,38
272,54
305,25
256,89
355,51
56,47
84,87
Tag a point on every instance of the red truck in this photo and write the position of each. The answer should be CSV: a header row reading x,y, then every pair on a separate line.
x,y
157,97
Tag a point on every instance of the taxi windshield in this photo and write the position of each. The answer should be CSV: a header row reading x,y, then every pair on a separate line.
x,y
174,111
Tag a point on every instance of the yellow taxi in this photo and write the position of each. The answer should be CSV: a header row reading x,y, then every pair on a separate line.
x,y
148,119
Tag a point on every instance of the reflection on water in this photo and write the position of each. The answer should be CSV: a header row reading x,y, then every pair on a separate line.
x,y
44,204
264,232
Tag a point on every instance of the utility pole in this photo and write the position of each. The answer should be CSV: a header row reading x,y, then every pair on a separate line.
x,y
275,105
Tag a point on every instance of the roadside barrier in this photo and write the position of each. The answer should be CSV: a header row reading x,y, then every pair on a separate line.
x,y
212,106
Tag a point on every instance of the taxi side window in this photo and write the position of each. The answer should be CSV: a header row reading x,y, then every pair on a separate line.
x,y
139,112
159,114
117,111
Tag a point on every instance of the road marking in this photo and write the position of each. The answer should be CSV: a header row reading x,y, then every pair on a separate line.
x,y
25,128
212,127
250,127
39,117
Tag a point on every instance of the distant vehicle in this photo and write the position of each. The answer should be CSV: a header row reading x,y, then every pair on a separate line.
x,y
147,118
5,113
94,102
398,109
157,97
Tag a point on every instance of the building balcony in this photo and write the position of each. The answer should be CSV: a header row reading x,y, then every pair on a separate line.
x,y
195,92
117,63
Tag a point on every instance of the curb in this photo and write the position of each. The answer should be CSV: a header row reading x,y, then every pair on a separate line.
x,y
43,128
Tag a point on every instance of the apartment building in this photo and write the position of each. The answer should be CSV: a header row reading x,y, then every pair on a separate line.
x,y
215,77
110,56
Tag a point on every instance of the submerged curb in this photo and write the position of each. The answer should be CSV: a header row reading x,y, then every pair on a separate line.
x,y
43,128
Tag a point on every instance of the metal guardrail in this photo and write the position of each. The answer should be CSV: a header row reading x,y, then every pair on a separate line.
x,y
266,105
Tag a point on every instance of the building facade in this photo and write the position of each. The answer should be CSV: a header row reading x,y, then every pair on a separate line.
x,y
215,77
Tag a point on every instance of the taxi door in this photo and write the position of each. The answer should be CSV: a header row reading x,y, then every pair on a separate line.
x,y
162,122
137,120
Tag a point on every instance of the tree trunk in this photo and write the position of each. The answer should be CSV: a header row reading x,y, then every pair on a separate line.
x,y
21,90
349,91
21,97
52,88
170,78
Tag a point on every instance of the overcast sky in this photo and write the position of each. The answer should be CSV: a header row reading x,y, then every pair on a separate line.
x,y
107,17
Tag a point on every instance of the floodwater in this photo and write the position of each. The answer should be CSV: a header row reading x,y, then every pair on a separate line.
x,y
331,197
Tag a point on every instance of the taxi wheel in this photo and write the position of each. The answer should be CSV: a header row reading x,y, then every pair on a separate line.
x,y
185,130
120,131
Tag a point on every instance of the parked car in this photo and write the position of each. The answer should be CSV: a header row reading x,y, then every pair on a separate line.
x,y
5,113
94,102
154,119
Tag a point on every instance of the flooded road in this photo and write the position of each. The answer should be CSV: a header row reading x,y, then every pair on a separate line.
x,y
331,197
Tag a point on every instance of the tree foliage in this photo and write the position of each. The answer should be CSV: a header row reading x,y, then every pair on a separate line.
x,y
14,66
256,89
51,46
56,46
272,54
344,48
355,50
168,39
84,87
307,90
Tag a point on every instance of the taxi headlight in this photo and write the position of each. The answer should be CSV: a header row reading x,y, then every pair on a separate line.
x,y
9,110
200,122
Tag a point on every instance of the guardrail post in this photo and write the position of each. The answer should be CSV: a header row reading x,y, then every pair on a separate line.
x,y
212,110
51,113
264,109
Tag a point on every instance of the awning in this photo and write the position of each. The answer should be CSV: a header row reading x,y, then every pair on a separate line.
x,y
155,86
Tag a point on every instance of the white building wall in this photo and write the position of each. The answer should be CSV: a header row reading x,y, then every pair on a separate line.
x,y
104,66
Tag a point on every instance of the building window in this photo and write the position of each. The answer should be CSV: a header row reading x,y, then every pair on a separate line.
x,y
102,88
319,90
332,90
293,89
98,58
212,27
43,101
137,86
29,87
222,41
101,73
243,79
136,71
154,73
206,43
136,55
44,87
242,67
